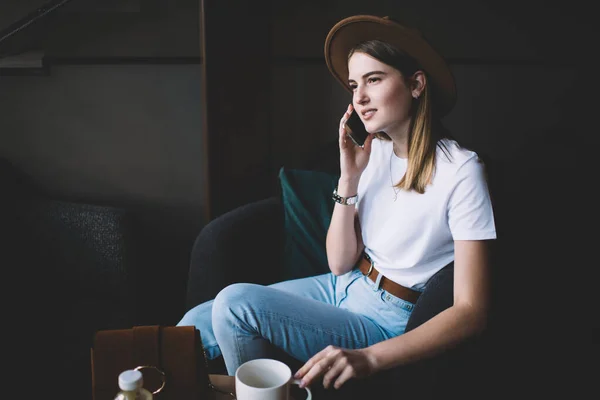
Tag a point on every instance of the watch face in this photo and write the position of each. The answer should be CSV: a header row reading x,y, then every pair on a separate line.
x,y
348,201
352,200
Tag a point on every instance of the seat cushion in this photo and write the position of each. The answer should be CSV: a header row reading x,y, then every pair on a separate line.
x,y
307,203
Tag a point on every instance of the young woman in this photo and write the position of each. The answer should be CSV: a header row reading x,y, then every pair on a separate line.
x,y
409,202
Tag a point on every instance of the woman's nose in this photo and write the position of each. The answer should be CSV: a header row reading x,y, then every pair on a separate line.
x,y
360,97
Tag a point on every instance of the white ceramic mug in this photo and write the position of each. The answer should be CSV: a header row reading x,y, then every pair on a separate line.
x,y
265,379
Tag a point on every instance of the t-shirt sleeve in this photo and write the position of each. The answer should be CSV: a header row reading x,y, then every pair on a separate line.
x,y
470,212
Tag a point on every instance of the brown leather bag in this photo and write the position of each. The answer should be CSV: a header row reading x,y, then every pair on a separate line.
x,y
171,359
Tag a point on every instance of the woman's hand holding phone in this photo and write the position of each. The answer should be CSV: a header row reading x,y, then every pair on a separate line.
x,y
353,158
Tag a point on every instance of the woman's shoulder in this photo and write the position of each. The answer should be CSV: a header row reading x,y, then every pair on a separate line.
x,y
451,152
454,157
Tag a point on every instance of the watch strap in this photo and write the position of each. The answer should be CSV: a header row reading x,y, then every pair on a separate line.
x,y
346,201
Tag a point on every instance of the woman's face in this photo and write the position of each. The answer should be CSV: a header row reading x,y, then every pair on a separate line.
x,y
380,94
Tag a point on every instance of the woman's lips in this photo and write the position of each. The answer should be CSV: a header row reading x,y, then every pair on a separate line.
x,y
368,114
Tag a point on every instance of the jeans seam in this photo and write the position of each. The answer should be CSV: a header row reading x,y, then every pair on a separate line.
x,y
344,293
304,325
237,346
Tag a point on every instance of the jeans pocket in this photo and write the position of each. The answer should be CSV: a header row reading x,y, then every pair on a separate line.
x,y
393,314
397,304
342,284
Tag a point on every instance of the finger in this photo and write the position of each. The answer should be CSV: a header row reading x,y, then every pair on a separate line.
x,y
343,122
342,141
343,137
346,115
368,142
316,371
327,359
333,372
346,374
332,365
310,363
342,128
304,369
338,362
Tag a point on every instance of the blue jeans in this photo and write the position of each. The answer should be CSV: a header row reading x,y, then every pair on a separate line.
x,y
300,317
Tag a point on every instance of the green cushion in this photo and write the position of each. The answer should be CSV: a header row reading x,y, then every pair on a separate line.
x,y
307,203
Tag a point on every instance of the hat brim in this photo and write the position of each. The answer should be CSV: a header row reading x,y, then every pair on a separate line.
x,y
351,31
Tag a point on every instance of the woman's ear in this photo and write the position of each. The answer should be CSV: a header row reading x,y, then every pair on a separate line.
x,y
417,84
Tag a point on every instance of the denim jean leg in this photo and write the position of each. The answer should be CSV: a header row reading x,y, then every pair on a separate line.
x,y
319,287
200,316
249,319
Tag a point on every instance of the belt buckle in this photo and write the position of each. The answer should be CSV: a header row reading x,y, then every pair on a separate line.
x,y
370,269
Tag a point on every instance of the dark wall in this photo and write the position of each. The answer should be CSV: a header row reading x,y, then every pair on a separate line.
x,y
116,118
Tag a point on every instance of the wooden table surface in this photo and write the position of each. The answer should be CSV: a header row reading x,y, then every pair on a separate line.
x,y
224,383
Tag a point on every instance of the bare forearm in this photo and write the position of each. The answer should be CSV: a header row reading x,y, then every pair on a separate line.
x,y
342,243
445,330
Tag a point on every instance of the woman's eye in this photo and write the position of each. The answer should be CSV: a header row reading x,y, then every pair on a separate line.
x,y
372,80
352,87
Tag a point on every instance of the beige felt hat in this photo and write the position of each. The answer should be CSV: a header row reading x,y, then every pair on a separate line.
x,y
359,28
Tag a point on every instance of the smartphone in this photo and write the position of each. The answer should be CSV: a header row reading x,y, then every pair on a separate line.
x,y
356,129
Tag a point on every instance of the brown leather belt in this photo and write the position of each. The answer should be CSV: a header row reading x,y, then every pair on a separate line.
x,y
367,268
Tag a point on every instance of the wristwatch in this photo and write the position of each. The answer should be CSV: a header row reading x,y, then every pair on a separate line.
x,y
347,201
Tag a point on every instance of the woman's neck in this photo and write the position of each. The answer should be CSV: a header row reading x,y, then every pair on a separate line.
x,y
400,149
399,138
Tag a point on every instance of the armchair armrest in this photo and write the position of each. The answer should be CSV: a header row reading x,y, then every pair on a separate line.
x,y
243,245
444,374
437,296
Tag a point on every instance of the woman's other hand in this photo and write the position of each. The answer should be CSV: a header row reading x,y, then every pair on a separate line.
x,y
353,159
337,366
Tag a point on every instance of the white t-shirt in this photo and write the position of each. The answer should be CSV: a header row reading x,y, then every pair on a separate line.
x,y
411,238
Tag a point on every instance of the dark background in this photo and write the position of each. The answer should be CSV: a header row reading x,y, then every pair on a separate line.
x,y
181,110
